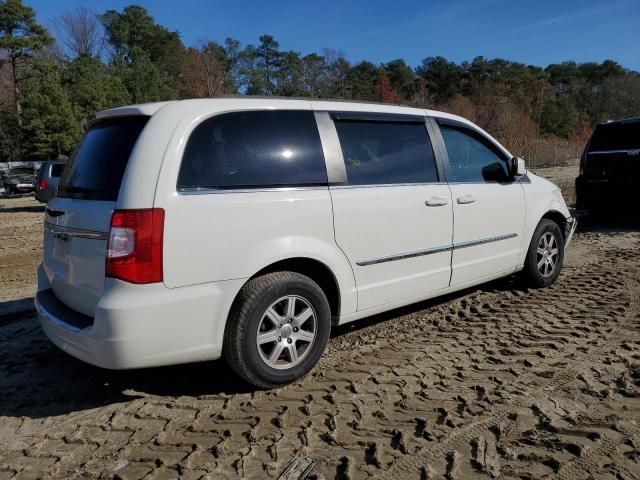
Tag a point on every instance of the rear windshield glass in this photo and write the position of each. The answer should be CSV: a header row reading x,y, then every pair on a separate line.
x,y
616,136
56,169
95,170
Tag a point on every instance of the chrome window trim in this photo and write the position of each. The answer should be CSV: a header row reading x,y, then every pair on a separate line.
x,y
440,249
486,182
64,233
437,145
257,189
386,185
331,148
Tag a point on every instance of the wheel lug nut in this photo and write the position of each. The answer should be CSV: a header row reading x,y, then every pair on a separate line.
x,y
288,340
295,329
279,339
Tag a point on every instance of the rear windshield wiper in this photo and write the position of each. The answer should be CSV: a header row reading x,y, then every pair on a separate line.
x,y
76,189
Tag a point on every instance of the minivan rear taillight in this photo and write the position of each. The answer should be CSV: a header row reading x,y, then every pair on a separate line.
x,y
134,252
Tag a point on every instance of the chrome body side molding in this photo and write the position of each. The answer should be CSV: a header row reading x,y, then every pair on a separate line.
x,y
402,256
473,243
430,251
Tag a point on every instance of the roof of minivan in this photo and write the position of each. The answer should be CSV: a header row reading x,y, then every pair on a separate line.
x,y
181,109
255,101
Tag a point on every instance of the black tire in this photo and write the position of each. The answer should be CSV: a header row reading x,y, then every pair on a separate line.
x,y
532,274
240,348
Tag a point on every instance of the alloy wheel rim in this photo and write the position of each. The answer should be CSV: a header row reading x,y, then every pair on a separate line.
x,y
286,332
547,254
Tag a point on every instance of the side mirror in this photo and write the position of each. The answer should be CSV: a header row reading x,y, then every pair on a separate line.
x,y
518,167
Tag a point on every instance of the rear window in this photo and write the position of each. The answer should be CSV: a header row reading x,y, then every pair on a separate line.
x,y
57,169
95,170
254,149
616,136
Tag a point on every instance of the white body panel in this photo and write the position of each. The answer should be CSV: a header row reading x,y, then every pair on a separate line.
x,y
215,242
138,326
227,236
541,197
75,266
495,213
375,223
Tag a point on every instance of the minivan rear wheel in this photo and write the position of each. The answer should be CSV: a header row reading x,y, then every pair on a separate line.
x,y
278,329
545,256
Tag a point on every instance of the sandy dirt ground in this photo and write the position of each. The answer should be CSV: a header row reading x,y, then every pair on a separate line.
x,y
495,382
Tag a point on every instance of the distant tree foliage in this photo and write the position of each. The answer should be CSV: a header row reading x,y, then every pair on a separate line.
x,y
49,86
20,39
91,86
49,127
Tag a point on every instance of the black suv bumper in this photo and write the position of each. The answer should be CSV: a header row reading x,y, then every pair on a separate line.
x,y
592,193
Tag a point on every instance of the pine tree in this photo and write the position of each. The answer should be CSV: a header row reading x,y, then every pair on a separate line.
x,y
384,92
50,130
20,38
91,86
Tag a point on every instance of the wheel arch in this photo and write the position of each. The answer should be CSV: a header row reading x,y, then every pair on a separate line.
x,y
557,217
549,213
317,271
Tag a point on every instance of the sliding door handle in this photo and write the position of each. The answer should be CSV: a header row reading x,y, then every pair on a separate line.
x,y
436,201
466,199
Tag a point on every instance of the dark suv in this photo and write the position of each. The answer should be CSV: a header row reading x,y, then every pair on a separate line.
x,y
610,164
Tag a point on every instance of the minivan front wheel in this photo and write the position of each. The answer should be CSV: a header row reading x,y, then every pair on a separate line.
x,y
545,255
278,329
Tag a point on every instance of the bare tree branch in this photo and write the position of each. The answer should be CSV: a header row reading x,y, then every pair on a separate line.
x,y
80,32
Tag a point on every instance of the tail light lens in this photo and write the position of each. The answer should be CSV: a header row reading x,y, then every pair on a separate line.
x,y
583,158
43,184
134,253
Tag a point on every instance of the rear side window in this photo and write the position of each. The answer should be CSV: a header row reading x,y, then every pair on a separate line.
x,y
57,169
254,149
472,159
377,153
616,136
96,168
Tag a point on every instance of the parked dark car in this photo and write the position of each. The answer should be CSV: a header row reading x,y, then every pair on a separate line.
x,y
19,180
610,165
47,180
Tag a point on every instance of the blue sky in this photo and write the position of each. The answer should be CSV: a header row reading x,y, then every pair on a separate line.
x,y
536,32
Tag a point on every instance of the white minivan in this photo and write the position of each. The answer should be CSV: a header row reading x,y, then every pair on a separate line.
x,y
246,227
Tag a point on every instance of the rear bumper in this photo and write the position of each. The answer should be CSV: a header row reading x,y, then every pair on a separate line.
x,y
44,195
138,326
597,192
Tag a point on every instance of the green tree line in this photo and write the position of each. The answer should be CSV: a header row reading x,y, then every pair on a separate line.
x,y
52,79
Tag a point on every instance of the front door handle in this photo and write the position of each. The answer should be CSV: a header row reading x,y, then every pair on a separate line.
x,y
466,199
436,201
